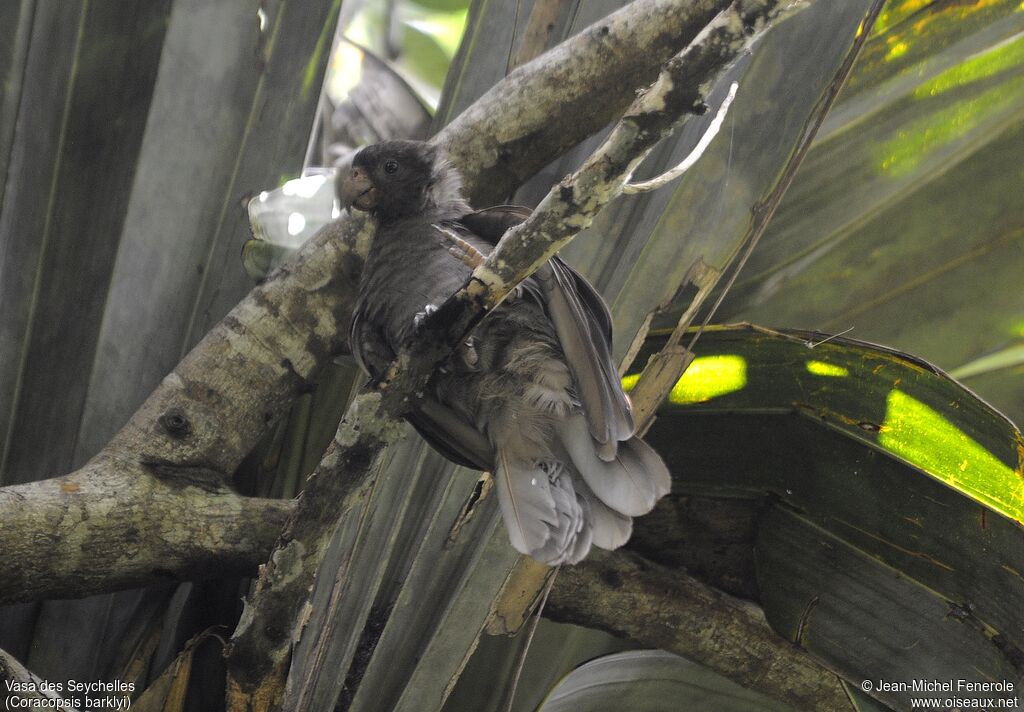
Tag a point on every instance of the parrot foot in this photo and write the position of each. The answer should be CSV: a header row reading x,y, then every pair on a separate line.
x,y
469,255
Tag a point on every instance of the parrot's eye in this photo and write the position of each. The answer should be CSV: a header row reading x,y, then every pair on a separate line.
x,y
390,166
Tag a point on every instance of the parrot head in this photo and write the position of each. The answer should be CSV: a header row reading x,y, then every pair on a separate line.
x,y
397,179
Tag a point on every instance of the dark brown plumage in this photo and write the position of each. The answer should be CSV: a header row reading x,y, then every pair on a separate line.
x,y
533,395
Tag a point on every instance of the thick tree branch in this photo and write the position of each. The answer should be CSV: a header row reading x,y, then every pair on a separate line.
x,y
219,401
74,535
160,485
258,654
681,89
631,597
192,432
580,90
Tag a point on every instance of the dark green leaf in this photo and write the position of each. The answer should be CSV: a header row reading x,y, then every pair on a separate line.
x,y
897,495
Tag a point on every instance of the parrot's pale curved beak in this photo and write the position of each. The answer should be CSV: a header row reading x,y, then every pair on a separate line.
x,y
357,191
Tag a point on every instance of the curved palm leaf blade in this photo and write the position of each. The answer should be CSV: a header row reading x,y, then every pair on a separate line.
x,y
881,498
644,681
904,221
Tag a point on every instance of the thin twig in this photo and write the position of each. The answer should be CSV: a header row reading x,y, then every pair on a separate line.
x,y
694,155
534,622
811,343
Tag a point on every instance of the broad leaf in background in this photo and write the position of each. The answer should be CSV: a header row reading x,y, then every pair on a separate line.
x,y
648,681
63,103
905,222
670,246
874,504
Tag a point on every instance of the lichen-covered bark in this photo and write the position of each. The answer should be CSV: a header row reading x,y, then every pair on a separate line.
x,y
108,527
580,89
633,598
210,411
258,653
680,89
155,503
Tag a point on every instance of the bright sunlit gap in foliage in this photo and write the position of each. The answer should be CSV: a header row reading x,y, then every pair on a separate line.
x,y
823,368
304,187
706,378
296,223
418,41
344,72
925,439
1008,54
916,141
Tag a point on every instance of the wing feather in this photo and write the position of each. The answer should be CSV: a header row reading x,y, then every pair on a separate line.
x,y
451,435
584,328
526,502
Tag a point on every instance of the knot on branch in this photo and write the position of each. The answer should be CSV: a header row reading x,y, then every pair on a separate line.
x,y
175,423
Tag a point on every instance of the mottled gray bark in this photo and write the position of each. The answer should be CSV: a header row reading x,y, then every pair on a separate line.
x,y
155,502
633,598
108,527
680,89
578,88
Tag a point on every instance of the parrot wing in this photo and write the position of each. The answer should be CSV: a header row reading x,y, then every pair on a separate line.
x,y
584,328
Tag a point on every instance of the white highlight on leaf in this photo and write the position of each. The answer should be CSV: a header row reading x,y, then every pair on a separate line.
x,y
694,156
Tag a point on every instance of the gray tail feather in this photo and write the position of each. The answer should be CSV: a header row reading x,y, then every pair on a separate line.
x,y
569,542
527,503
631,483
552,515
609,529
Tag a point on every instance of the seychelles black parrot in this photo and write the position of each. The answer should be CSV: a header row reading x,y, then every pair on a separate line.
x,y
533,395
